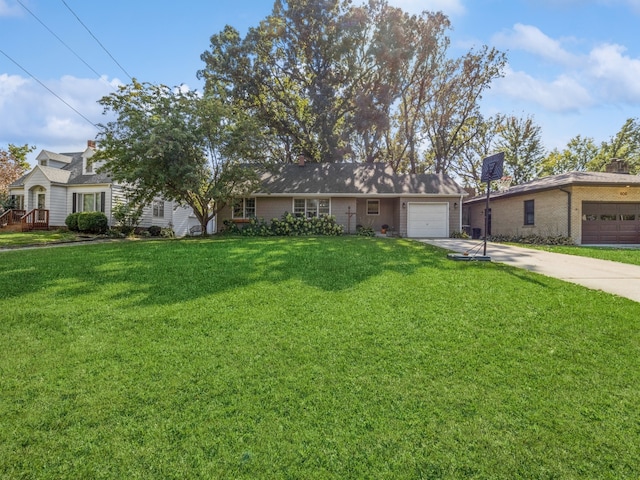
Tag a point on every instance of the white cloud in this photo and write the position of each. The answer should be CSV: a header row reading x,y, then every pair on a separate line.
x,y
449,7
616,74
531,39
564,94
9,9
570,81
31,114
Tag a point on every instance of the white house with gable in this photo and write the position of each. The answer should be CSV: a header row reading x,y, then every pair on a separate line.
x,y
64,183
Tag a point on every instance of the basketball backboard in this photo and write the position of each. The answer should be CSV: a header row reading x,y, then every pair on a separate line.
x,y
492,167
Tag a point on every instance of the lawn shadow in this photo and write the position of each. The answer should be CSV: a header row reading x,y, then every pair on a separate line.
x,y
168,272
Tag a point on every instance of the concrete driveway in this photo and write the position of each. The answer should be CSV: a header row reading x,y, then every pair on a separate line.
x,y
613,277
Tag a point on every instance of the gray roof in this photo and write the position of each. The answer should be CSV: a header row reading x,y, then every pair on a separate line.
x,y
552,182
70,174
353,179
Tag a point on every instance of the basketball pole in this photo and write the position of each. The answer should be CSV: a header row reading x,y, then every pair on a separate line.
x,y
486,218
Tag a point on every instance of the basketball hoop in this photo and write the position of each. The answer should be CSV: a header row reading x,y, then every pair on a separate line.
x,y
504,183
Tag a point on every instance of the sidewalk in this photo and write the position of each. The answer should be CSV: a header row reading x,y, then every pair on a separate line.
x,y
612,277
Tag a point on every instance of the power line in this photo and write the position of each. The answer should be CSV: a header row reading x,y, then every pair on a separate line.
x,y
59,39
49,90
96,39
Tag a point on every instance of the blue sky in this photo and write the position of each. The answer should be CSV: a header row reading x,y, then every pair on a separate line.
x,y
574,65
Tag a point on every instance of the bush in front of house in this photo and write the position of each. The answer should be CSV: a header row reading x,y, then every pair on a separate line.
x,y
127,217
365,231
533,239
287,226
154,230
457,234
93,222
72,221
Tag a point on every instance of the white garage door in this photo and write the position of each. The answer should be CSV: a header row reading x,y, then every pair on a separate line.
x,y
428,220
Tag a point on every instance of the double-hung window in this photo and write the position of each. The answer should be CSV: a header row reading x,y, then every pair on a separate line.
x,y
18,202
244,208
158,208
311,207
373,207
529,212
88,202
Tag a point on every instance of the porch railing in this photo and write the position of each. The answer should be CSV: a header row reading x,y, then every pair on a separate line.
x,y
36,219
11,217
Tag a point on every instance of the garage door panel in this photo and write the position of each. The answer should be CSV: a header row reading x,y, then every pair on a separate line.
x,y
429,220
610,223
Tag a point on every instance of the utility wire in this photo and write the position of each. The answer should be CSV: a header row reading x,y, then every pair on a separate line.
x,y
96,39
50,91
59,39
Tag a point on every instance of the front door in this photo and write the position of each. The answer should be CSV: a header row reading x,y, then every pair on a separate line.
x,y
41,206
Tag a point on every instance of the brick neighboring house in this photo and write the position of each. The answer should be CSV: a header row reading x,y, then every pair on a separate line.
x,y
367,194
590,207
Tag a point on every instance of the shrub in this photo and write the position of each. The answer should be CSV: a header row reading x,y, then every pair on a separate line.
x,y
456,234
365,231
533,239
127,216
93,222
287,226
167,232
72,221
154,230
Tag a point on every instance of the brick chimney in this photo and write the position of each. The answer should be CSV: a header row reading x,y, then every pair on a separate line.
x,y
301,160
617,166
91,144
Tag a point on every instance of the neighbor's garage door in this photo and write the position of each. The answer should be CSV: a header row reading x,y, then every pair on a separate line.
x,y
429,220
610,223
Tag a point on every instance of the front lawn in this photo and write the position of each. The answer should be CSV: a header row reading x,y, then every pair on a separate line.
x,y
35,237
615,254
309,358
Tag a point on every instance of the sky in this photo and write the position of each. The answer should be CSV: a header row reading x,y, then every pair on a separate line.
x,y
573,65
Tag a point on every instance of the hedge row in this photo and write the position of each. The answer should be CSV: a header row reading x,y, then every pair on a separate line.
x,y
87,222
533,239
287,226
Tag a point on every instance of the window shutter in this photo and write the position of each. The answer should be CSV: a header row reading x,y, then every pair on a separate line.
x,y
102,196
75,200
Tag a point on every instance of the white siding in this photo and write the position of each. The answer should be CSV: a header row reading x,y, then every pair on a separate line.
x,y
56,202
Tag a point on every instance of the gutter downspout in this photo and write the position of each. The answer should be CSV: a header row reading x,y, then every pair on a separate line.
x,y
568,211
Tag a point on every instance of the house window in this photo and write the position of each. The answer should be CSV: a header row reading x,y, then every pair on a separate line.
x,y
43,163
244,208
311,207
89,166
89,202
158,208
17,202
373,207
529,212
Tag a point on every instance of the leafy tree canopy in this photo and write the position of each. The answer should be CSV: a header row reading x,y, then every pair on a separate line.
x,y
177,144
335,81
13,164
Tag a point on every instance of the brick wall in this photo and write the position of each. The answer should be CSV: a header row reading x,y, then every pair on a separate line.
x,y
551,210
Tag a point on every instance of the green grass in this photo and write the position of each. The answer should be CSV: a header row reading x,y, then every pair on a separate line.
x,y
615,254
36,237
309,358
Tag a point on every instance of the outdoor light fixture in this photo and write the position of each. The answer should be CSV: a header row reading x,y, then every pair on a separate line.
x,y
404,205
455,205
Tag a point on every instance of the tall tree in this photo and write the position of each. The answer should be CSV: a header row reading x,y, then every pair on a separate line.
x,y
467,164
577,155
521,142
13,164
334,81
452,115
179,145
624,145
